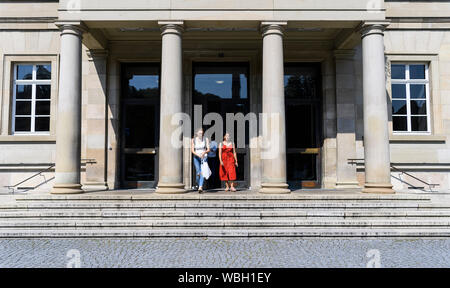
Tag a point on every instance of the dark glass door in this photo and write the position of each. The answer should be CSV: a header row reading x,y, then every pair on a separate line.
x,y
223,88
303,117
139,125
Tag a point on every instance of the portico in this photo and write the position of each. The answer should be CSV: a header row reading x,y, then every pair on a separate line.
x,y
269,174
314,52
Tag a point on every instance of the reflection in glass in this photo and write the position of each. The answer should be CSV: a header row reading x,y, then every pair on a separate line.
x,y
418,107
43,72
24,72
417,91
399,91
222,88
42,91
23,91
398,71
416,71
399,107
141,81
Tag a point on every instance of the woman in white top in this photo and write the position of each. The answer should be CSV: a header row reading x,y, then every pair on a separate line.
x,y
200,149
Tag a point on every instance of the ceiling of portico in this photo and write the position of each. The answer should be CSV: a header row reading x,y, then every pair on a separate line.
x,y
250,30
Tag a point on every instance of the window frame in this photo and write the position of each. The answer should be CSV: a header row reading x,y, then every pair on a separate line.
x,y
408,82
33,83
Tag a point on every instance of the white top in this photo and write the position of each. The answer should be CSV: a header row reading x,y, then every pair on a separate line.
x,y
199,145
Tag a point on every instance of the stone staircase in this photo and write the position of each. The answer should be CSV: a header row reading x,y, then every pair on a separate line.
x,y
242,214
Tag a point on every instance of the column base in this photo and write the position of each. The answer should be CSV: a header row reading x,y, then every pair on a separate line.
x,y
95,186
66,189
274,188
347,185
168,188
378,188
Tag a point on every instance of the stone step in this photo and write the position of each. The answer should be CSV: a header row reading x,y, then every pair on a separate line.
x,y
303,232
219,205
128,223
223,196
230,213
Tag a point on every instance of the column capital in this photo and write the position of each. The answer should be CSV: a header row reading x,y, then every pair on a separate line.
x,y
344,53
171,27
72,27
273,27
372,27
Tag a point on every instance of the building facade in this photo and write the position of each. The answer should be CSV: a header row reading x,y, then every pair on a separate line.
x,y
360,87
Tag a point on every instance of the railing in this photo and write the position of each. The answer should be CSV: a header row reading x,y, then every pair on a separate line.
x,y
430,185
39,173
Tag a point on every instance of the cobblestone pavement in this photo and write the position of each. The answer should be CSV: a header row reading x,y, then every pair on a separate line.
x,y
248,253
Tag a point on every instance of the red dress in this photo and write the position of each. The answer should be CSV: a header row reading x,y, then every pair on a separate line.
x,y
227,171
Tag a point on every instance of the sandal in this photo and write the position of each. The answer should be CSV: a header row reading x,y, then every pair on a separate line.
x,y
226,189
233,189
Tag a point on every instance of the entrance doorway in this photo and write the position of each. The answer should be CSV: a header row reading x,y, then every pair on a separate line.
x,y
139,125
303,100
223,88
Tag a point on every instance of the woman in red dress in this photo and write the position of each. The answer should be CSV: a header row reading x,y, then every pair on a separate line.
x,y
228,159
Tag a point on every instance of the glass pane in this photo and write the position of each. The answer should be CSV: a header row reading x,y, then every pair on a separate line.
x,y
43,72
22,124
42,124
141,81
416,71
240,171
24,72
418,107
301,81
23,107
300,126
140,126
419,123
139,167
301,167
399,123
399,107
43,91
224,81
398,71
223,88
42,107
23,91
417,91
399,91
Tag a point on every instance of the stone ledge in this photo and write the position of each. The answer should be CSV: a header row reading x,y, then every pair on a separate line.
x,y
417,138
27,138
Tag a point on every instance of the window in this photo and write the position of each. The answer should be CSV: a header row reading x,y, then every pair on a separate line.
x,y
410,98
31,99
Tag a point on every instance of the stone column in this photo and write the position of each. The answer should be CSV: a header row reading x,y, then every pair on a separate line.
x,y
273,150
376,134
96,120
345,119
170,155
68,122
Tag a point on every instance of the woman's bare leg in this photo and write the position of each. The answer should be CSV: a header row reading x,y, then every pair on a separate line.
x,y
232,187
226,186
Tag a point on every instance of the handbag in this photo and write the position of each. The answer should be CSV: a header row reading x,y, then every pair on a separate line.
x,y
206,172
